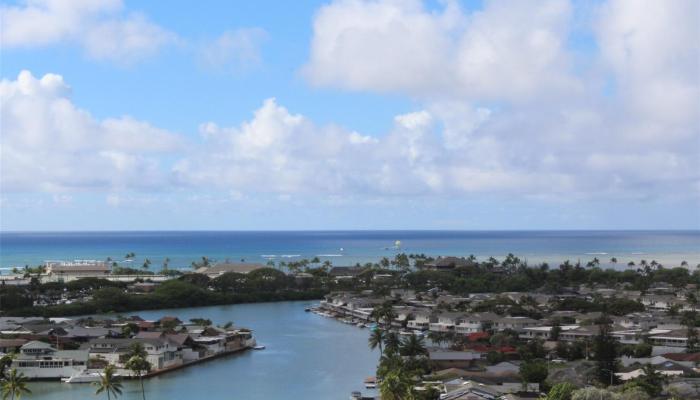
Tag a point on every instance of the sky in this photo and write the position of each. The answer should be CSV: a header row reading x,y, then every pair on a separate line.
x,y
349,114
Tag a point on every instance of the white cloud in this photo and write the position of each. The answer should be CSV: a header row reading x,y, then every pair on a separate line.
x,y
49,144
233,51
653,50
100,27
507,50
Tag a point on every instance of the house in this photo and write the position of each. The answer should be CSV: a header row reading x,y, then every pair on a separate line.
x,y
514,323
447,321
478,322
39,360
421,320
222,268
161,353
668,337
543,332
66,271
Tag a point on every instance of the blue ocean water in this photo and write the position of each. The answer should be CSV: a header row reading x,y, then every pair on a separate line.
x,y
348,247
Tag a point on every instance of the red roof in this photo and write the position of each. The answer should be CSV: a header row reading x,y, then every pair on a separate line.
x,y
473,337
683,356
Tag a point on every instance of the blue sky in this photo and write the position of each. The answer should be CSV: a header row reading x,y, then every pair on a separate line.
x,y
349,115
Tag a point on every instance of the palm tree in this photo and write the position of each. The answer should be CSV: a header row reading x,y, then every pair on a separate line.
x,y
139,365
376,339
396,385
613,260
108,383
166,263
14,386
413,346
392,343
146,264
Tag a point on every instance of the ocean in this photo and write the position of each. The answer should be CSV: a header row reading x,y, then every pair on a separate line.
x,y
348,247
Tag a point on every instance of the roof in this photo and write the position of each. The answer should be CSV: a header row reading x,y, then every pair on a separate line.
x,y
222,268
63,267
695,357
12,342
35,344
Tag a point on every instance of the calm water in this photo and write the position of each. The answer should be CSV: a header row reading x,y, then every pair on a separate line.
x,y
307,357
348,247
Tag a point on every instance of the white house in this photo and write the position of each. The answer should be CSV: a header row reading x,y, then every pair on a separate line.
x,y
40,360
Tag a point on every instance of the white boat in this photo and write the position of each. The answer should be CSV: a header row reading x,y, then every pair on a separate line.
x,y
260,347
84,378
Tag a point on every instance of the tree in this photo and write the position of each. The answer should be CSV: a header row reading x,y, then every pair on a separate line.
x,y
651,381
554,333
534,371
108,383
396,385
392,343
594,393
139,365
14,386
376,339
5,362
146,264
166,265
605,349
560,391
693,343
413,346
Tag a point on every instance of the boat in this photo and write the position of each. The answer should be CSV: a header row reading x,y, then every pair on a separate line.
x,y
259,347
371,382
84,378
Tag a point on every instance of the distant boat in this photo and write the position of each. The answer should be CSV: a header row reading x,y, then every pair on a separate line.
x,y
397,244
259,347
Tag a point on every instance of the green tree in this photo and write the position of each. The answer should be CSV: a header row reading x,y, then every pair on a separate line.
x,y
396,385
108,383
413,346
14,385
376,339
534,371
651,381
605,349
560,391
139,366
594,393
392,343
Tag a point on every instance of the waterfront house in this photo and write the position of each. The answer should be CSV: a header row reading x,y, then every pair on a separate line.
x,y
421,320
39,360
161,353
447,321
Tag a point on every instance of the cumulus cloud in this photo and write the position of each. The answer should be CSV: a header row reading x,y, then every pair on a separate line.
x,y
624,122
507,50
49,144
101,27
